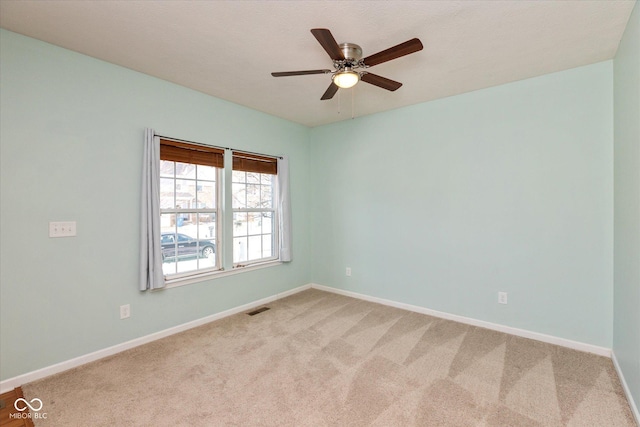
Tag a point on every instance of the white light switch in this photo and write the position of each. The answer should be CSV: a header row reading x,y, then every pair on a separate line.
x,y
62,229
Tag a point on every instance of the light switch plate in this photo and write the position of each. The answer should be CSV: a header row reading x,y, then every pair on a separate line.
x,y
62,229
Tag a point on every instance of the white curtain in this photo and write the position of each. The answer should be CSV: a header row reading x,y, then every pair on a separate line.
x,y
151,276
284,205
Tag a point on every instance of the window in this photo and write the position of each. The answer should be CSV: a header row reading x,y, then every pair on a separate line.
x,y
198,233
189,177
254,209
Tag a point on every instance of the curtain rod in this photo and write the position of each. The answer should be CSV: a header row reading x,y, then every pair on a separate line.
x,y
216,146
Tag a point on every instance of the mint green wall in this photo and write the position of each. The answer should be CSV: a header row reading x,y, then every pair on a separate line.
x,y
444,204
626,320
71,149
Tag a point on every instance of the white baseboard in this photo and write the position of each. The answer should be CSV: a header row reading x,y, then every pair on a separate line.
x,y
627,391
589,348
11,383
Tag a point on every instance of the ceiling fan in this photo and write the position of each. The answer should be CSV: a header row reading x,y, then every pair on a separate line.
x,y
347,57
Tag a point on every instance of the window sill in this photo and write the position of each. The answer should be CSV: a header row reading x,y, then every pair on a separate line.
x,y
175,283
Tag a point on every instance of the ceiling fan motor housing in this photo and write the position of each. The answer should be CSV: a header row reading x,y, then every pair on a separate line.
x,y
352,57
351,51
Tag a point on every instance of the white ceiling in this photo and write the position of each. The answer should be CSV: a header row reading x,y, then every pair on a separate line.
x,y
229,48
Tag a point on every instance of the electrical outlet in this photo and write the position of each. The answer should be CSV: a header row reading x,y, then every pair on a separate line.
x,y
348,272
502,297
125,311
62,229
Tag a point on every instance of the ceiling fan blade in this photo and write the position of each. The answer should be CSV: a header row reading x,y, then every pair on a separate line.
x,y
326,40
394,52
380,81
331,90
299,73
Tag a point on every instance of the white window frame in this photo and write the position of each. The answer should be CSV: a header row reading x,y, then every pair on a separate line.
x,y
169,278
275,230
224,238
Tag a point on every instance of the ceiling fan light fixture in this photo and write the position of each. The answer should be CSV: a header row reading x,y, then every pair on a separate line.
x,y
346,79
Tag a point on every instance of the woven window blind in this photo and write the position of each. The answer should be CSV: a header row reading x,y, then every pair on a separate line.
x,y
191,153
249,162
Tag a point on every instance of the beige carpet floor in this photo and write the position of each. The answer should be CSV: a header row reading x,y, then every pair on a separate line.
x,y
321,359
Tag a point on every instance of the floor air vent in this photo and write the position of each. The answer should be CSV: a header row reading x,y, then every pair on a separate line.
x,y
257,311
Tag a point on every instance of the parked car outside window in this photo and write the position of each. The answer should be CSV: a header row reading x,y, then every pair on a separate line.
x,y
178,245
